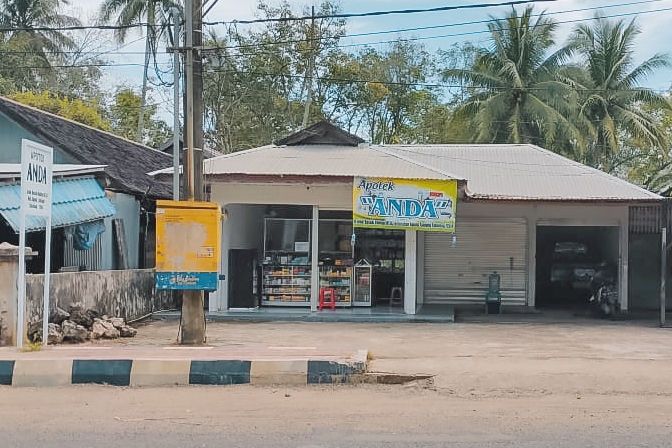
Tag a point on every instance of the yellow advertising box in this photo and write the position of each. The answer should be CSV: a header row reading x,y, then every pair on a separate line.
x,y
188,244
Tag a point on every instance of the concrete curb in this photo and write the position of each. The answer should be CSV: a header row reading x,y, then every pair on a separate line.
x,y
144,372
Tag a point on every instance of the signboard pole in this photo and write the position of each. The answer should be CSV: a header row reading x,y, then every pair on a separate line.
x,y
36,176
21,279
47,278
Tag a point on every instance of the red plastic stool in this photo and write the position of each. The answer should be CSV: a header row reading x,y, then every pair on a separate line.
x,y
324,292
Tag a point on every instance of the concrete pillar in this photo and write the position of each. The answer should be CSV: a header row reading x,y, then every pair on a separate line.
x,y
9,291
410,269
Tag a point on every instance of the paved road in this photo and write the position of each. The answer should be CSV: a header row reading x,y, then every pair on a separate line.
x,y
311,417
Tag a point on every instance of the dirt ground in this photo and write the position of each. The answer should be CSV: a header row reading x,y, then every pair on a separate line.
x,y
475,359
533,384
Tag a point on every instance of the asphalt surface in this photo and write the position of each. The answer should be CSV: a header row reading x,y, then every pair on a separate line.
x,y
341,416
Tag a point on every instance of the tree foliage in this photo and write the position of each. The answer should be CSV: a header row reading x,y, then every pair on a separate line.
x,y
581,98
33,40
124,114
515,95
254,86
131,12
73,109
611,100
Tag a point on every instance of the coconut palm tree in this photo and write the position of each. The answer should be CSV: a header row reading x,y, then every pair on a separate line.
x,y
612,101
131,12
33,28
515,93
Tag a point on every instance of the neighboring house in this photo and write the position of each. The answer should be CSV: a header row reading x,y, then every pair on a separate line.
x,y
122,167
292,203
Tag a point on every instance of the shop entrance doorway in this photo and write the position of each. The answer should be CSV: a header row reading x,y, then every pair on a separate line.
x,y
385,251
570,259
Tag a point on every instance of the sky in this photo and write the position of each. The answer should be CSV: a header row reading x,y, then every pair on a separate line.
x,y
448,27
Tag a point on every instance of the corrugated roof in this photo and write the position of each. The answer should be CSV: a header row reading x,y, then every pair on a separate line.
x,y
504,172
322,160
523,172
74,201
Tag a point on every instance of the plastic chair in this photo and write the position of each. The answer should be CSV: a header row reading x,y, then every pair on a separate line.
x,y
325,293
493,298
397,296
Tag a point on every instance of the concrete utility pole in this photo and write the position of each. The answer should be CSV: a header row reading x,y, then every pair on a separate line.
x,y
177,18
192,325
310,70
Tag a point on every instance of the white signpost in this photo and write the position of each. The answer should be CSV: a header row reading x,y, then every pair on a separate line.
x,y
36,171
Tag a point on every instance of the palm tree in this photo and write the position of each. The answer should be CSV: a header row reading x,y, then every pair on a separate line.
x,y
131,12
515,94
34,28
612,102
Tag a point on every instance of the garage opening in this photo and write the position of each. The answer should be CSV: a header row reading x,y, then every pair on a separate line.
x,y
571,260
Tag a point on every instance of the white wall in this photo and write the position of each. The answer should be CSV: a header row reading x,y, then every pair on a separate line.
x,y
243,229
329,197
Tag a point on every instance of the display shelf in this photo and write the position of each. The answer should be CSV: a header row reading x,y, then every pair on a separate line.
x,y
338,277
285,301
286,285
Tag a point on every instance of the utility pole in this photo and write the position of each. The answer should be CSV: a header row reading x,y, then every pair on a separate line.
x,y
198,98
175,13
309,74
192,325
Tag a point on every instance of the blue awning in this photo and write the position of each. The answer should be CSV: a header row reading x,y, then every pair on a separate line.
x,y
74,201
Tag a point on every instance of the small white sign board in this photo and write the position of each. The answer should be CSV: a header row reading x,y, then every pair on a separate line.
x,y
36,173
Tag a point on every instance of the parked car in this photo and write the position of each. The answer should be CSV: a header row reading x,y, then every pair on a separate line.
x,y
575,267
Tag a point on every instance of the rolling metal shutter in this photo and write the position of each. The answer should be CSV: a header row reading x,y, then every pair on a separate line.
x,y
460,274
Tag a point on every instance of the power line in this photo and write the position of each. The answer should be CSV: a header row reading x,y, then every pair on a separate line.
x,y
480,22
263,44
412,84
285,19
381,13
422,38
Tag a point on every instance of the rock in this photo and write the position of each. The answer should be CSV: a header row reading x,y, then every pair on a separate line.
x,y
118,322
97,330
73,332
55,334
103,329
58,315
35,331
109,331
83,317
127,332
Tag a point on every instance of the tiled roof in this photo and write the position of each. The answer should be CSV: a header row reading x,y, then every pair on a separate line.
x,y
127,163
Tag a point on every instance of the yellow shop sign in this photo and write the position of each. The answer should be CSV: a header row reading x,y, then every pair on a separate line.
x,y
414,204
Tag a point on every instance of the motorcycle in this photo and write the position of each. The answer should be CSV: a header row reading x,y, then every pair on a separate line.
x,y
604,297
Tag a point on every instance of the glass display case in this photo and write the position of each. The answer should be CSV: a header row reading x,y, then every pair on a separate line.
x,y
362,272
